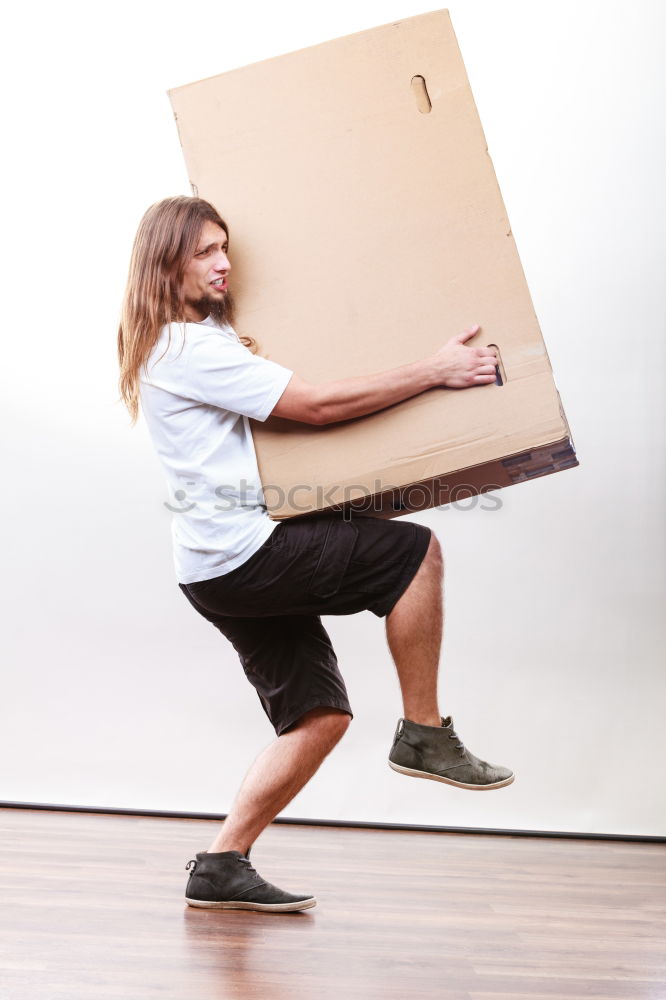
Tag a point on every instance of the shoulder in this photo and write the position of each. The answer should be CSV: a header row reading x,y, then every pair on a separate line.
x,y
190,334
172,345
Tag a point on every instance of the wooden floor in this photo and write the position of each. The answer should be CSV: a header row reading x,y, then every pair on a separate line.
x,y
93,908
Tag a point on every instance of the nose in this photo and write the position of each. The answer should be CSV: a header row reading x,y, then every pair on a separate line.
x,y
222,262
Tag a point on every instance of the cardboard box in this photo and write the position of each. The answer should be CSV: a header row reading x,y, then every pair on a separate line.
x,y
366,229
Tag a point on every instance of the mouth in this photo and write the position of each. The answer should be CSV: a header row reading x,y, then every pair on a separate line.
x,y
220,283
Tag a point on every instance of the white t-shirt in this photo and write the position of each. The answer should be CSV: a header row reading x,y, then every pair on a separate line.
x,y
196,401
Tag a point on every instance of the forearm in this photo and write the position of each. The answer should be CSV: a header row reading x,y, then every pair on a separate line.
x,y
355,397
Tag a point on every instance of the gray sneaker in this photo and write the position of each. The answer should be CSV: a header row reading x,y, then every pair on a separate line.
x,y
227,881
437,752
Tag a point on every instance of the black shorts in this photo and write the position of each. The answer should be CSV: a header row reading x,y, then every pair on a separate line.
x,y
269,607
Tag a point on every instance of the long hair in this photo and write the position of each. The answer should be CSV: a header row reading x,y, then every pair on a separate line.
x,y
166,239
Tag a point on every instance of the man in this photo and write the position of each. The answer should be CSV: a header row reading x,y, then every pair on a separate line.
x,y
264,584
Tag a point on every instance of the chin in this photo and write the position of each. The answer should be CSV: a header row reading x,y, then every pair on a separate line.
x,y
219,305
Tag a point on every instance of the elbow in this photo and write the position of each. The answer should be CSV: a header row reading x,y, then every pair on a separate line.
x,y
319,416
319,411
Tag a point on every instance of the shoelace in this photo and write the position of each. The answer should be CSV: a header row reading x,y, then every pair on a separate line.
x,y
192,864
454,736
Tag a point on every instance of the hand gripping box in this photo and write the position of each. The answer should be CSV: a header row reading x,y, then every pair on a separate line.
x,y
366,229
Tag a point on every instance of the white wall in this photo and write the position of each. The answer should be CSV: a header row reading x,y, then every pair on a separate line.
x,y
115,693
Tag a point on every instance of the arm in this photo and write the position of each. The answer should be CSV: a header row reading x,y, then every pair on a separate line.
x,y
454,365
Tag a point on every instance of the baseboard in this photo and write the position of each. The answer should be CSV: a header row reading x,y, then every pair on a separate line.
x,y
352,824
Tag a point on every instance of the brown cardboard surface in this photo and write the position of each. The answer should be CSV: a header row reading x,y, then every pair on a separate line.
x,y
365,231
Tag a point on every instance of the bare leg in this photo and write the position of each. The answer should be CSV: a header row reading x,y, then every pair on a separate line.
x,y
414,635
278,773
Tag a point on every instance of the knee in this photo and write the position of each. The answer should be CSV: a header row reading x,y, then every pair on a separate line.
x,y
336,723
330,723
434,552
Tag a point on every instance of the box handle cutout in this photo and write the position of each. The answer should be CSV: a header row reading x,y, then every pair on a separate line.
x,y
420,92
500,374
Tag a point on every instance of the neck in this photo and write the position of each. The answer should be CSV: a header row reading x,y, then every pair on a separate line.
x,y
194,314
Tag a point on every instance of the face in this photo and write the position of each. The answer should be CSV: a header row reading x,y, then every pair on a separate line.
x,y
205,280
